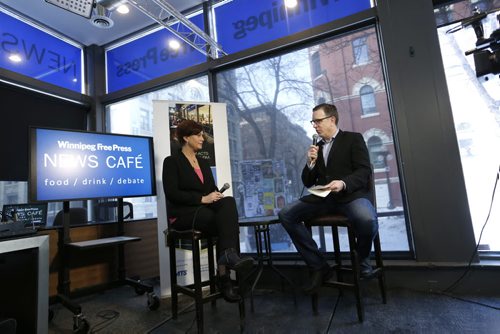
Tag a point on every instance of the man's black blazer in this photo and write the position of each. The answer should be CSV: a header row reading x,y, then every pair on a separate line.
x,y
183,188
348,161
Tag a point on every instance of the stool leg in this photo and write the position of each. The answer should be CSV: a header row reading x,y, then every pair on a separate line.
x,y
314,303
211,266
173,278
260,262
197,285
314,296
241,307
355,271
337,253
381,283
380,267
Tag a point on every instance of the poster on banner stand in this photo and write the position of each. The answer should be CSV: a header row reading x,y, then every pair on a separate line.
x,y
213,118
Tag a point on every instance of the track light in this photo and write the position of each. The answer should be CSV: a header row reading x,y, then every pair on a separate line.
x,y
123,9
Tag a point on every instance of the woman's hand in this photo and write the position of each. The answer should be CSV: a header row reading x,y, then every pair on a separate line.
x,y
212,197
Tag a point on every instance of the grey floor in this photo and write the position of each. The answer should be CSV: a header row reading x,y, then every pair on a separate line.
x,y
120,310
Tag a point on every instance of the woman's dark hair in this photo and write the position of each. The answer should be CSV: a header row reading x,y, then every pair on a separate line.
x,y
187,128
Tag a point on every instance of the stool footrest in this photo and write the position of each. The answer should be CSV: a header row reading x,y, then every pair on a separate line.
x,y
191,286
192,293
340,285
342,267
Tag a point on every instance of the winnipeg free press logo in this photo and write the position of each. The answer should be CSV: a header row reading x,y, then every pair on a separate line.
x,y
277,14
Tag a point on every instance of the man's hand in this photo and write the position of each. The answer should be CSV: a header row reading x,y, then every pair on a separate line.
x,y
312,154
336,186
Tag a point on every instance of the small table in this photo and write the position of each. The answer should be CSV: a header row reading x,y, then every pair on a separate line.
x,y
18,282
264,251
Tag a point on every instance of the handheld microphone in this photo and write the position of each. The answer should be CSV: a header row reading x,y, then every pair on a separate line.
x,y
315,139
225,187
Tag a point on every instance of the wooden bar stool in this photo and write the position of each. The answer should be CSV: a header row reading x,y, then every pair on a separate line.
x,y
195,290
338,220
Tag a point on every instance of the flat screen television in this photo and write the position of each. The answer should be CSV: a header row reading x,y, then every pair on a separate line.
x,y
31,214
75,165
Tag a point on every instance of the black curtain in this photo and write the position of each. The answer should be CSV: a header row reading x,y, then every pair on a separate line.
x,y
20,109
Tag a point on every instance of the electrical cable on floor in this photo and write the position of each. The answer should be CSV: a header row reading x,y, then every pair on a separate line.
x,y
109,317
191,326
469,265
439,293
470,301
333,312
169,318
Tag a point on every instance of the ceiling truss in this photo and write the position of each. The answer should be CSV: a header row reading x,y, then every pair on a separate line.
x,y
163,12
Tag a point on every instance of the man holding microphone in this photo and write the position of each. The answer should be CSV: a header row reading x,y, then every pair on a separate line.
x,y
339,162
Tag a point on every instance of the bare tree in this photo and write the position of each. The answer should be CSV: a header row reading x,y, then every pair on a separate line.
x,y
267,87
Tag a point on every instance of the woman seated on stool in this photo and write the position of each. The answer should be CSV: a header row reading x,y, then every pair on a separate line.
x,y
194,202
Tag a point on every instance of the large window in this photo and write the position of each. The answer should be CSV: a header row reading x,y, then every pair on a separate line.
x,y
150,57
241,24
271,103
475,103
35,52
135,116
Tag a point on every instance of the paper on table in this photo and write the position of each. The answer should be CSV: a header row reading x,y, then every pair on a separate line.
x,y
319,190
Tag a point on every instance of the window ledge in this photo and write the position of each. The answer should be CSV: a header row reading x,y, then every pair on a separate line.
x,y
370,115
361,64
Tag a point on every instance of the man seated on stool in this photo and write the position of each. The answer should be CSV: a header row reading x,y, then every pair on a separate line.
x,y
341,162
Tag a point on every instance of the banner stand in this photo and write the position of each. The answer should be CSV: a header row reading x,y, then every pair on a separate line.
x,y
166,115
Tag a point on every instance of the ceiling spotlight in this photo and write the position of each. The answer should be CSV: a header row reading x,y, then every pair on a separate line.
x,y
15,58
123,9
291,3
174,44
79,7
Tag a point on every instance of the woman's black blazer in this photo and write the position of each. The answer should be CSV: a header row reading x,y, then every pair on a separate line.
x,y
183,188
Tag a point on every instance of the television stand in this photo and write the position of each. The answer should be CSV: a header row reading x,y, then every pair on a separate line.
x,y
119,240
67,248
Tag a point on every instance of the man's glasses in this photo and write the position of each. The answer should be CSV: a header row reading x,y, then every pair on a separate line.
x,y
319,120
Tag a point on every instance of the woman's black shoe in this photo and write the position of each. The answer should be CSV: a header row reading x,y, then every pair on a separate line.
x,y
232,260
227,289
